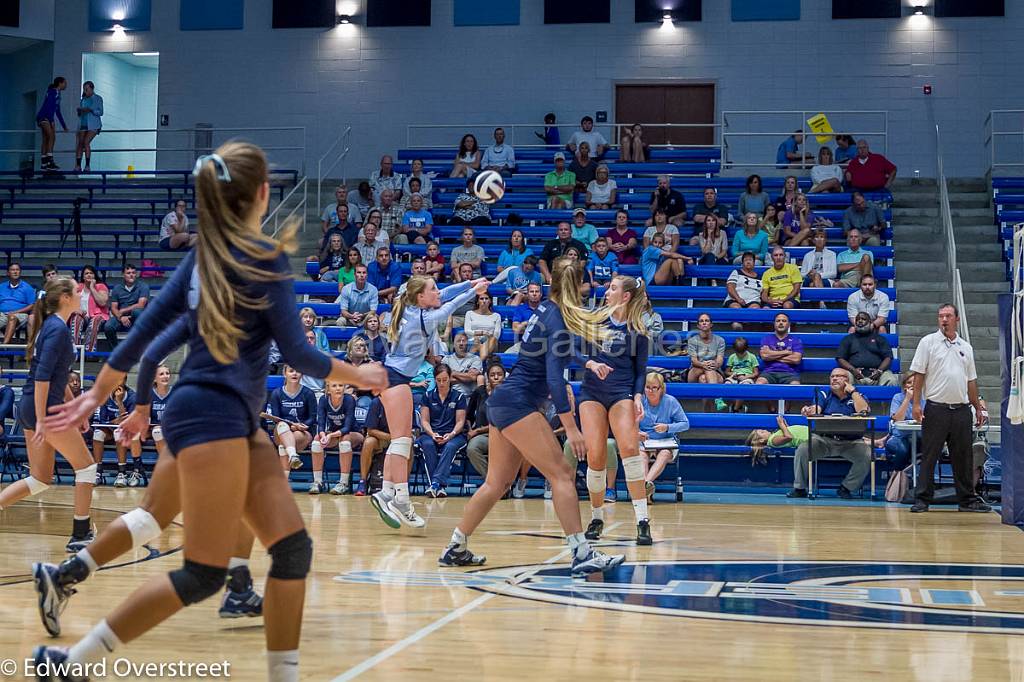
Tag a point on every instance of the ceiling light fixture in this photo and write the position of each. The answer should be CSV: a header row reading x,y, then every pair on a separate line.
x,y
918,10
344,19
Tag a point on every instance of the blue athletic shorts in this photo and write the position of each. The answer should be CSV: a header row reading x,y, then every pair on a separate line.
x,y
201,413
27,412
505,408
604,399
396,378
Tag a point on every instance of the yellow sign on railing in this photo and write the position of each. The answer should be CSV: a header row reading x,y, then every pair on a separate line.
x,y
821,127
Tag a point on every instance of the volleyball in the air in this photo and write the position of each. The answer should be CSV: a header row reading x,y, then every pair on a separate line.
x,y
489,186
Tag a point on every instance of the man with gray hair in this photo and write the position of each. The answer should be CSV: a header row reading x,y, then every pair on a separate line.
x,y
386,178
668,199
843,399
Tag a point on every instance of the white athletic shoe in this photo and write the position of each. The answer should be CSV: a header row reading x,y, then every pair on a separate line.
x,y
121,481
595,562
294,462
341,488
134,480
519,489
407,516
382,505
547,490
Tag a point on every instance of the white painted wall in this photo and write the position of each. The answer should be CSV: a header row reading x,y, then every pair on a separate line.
x,y
380,80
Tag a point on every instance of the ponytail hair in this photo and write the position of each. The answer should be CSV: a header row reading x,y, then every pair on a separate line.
x,y
47,305
227,184
413,288
58,81
566,281
639,304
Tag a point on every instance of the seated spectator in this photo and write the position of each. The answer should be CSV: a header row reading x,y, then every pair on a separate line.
x,y
376,441
670,201
329,218
414,186
417,223
771,224
470,209
623,240
347,273
6,410
390,214
866,354
550,136
632,146
868,299
826,175
465,366
660,264
127,301
308,318
560,184
710,207
742,367
663,227
654,325
499,157
312,383
898,445
583,166
295,406
869,172
744,285
786,437
384,274
706,351
663,421
781,282
434,262
333,260
522,277
751,239
335,425
602,264
174,234
582,231
525,310
372,218
556,248
348,231
516,253
713,243
602,190
854,262
782,354
467,159
477,447
576,254
846,149
376,343
819,266
381,179
866,216
841,398
799,221
357,299
86,324
483,327
360,201
754,199
421,384
788,154
370,240
463,273
468,252
784,201
595,140
426,187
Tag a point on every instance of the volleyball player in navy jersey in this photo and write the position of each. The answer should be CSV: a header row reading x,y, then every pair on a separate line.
x,y
616,401
160,393
335,426
236,288
518,428
50,354
414,321
296,404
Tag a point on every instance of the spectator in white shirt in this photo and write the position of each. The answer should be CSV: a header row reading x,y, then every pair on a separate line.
x,y
483,327
174,235
601,190
499,157
467,159
819,266
386,178
586,133
744,285
826,175
869,300
426,184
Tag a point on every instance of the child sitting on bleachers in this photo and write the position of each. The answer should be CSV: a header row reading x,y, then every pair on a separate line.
x,y
602,264
741,368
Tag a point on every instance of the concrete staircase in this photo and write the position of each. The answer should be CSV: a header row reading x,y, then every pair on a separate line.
x,y
921,269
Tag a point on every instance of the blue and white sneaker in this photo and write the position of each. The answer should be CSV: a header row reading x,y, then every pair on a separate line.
x,y
53,598
76,545
317,488
246,604
610,496
380,503
453,556
595,562
433,490
51,664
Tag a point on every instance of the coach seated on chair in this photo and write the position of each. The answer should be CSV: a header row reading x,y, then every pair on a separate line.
x,y
866,354
842,398
443,420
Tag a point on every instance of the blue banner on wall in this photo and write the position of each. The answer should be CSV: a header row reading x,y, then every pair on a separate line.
x,y
203,15
765,10
490,13
132,15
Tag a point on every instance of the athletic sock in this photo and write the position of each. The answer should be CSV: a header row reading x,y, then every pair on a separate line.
x,y
74,570
120,468
318,476
92,648
291,452
597,513
81,526
239,577
137,462
640,509
459,539
402,494
578,544
280,451
283,666
388,488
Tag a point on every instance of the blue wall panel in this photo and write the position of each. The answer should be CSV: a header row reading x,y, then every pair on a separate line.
x,y
203,15
765,10
133,15
490,13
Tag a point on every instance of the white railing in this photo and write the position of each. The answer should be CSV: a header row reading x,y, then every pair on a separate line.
x,y
278,216
1004,137
751,138
344,140
955,283
522,135
79,350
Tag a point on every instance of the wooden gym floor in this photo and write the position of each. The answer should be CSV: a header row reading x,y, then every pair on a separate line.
x,y
732,590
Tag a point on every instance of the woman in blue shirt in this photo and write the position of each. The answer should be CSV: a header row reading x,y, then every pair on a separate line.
x,y
516,252
443,420
751,239
663,420
45,120
90,113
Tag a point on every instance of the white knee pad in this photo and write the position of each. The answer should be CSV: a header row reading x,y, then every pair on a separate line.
x,y
401,446
596,480
142,527
281,428
158,434
86,475
35,486
316,448
344,447
634,468
99,435
118,432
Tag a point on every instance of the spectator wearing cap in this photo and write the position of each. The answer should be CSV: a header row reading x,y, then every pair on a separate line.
x,y
788,154
668,200
470,209
869,172
557,247
866,216
581,229
499,157
584,166
854,262
869,300
866,354
586,133
386,178
559,184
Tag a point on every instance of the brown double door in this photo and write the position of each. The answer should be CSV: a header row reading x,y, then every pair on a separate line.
x,y
685,103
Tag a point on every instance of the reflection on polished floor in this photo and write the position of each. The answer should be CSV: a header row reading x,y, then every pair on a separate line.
x,y
730,591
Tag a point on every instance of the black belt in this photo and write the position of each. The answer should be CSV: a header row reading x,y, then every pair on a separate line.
x,y
949,406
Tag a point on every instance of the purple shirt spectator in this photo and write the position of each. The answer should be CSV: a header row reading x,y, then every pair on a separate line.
x,y
789,343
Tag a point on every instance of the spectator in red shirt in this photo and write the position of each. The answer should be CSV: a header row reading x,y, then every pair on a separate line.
x,y
869,172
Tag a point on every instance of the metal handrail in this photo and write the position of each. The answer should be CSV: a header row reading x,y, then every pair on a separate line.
x,y
993,135
511,128
946,214
274,214
320,172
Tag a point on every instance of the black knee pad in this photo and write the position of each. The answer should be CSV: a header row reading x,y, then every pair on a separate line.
x,y
195,582
291,557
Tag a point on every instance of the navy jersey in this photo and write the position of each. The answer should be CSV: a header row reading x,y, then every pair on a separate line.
x,y
158,405
109,412
52,357
626,352
376,417
299,408
377,348
442,412
163,345
331,417
544,354
276,320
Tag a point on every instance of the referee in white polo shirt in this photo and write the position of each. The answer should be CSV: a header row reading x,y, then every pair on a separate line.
x,y
944,376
